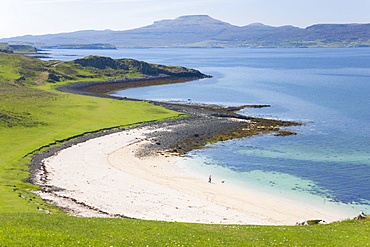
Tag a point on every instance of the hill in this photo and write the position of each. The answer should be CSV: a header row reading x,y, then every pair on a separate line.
x,y
31,71
33,114
205,31
19,49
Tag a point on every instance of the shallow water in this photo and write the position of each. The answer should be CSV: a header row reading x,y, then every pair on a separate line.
x,y
327,89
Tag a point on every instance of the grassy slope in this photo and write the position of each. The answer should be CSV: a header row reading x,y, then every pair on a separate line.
x,y
33,116
58,230
18,48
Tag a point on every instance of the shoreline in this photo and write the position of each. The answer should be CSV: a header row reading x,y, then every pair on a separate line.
x,y
89,184
202,126
103,88
109,176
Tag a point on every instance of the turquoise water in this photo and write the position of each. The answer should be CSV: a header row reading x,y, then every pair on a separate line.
x,y
327,89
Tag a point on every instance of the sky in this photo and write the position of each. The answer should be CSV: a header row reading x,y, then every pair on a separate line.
x,y
35,17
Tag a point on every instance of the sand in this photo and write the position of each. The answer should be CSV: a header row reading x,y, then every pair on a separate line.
x,y
104,177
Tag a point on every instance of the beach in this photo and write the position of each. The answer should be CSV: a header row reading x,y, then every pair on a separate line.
x,y
126,174
312,154
133,172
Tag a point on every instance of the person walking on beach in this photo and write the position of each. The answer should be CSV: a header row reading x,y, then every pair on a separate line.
x,y
209,179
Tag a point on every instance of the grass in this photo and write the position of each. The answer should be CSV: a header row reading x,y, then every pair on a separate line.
x,y
60,230
33,115
18,48
35,118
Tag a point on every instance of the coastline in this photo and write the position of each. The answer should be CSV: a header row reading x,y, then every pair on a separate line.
x,y
103,88
154,148
110,176
88,183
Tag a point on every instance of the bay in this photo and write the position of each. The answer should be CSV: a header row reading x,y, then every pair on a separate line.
x,y
327,162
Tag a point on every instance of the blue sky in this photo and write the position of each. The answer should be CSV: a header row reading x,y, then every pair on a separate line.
x,y
21,17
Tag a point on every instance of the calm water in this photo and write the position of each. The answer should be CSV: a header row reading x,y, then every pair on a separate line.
x,y
328,161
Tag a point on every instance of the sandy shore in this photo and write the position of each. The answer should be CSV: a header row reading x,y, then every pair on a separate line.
x,y
109,176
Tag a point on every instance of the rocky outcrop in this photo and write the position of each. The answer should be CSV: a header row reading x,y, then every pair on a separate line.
x,y
310,222
141,67
361,216
101,63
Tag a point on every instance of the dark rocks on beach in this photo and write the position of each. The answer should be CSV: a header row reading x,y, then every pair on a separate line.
x,y
186,133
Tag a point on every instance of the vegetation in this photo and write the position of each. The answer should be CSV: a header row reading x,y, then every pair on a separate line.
x,y
95,68
19,49
33,115
60,230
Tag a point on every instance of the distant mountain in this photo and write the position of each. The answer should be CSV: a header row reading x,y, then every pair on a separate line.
x,y
204,31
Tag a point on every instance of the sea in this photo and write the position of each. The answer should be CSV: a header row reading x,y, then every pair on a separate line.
x,y
327,89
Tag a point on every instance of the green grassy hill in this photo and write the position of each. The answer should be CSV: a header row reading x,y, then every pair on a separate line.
x,y
21,49
33,114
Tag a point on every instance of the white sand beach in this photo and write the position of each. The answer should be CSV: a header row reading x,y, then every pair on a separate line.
x,y
105,175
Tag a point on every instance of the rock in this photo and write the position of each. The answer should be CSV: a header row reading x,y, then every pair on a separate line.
x,y
101,62
361,216
310,222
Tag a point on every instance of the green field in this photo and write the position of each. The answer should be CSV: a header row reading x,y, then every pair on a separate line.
x,y
33,114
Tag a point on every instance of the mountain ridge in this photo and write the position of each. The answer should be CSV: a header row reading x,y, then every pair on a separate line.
x,y
205,31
